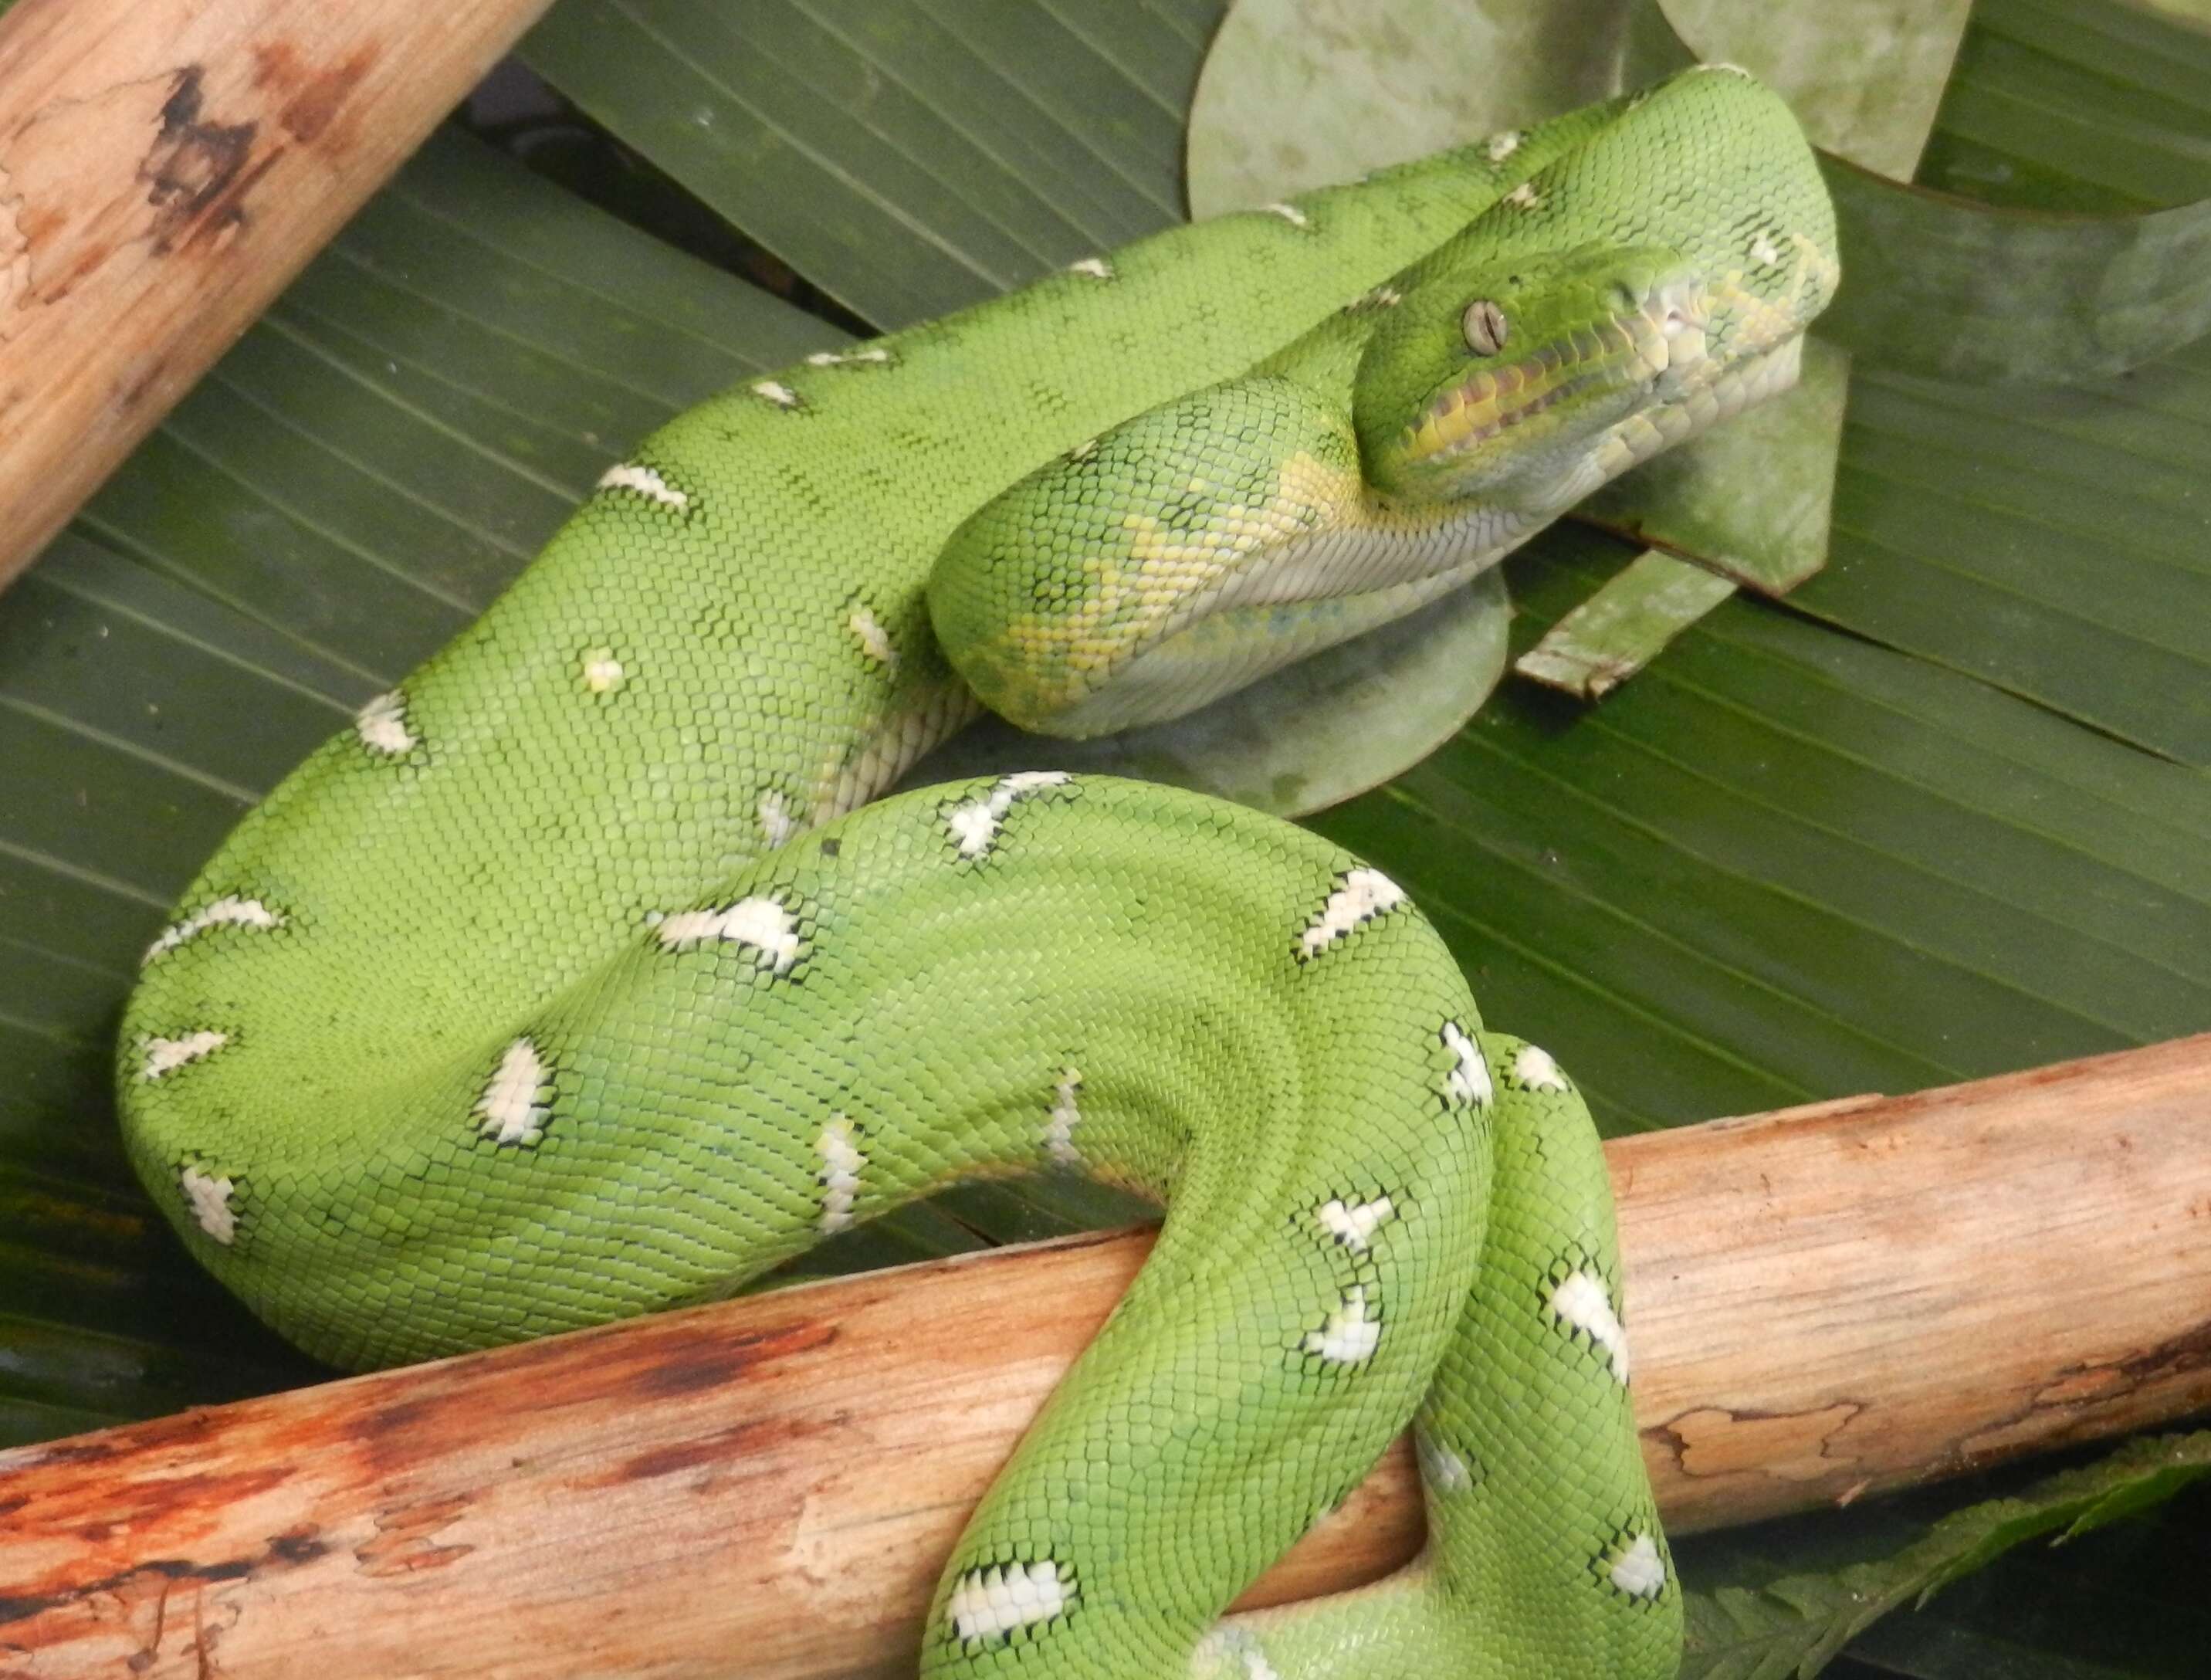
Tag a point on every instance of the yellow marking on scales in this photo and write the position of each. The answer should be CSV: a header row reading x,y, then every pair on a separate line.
x,y
1763,324
1490,399
1164,568
1162,565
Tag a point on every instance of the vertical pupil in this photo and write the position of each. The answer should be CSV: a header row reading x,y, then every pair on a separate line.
x,y
1484,327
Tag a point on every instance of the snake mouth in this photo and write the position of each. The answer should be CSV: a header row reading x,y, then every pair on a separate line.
x,y
1653,342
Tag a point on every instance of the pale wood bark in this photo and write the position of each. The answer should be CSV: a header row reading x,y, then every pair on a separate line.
x,y
166,166
1825,1303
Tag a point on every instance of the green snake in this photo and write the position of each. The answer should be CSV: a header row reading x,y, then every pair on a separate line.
x,y
581,978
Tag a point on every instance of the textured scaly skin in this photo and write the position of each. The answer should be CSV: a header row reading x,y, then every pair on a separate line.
x,y
571,983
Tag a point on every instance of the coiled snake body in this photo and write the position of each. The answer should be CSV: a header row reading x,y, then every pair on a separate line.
x,y
575,981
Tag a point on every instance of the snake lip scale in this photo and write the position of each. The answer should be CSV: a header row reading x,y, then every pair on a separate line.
x,y
588,973
1657,341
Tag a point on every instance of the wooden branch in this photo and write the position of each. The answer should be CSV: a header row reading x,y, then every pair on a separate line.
x,y
1825,1303
165,166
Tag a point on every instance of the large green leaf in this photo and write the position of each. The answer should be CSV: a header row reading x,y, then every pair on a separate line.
x,y
1750,1619
906,159
1905,834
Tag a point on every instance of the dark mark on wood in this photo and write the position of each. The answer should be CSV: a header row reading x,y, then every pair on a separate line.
x,y
732,1442
764,1437
2177,1356
289,1550
296,1546
89,1451
192,165
314,95
715,1360
228,211
143,382
605,1368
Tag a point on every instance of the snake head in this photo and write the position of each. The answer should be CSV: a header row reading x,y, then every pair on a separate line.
x,y
1651,281
1494,382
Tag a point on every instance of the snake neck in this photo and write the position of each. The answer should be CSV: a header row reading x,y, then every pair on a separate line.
x,y
1360,557
907,730
1372,565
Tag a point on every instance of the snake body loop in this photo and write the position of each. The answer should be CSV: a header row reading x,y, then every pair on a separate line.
x,y
580,978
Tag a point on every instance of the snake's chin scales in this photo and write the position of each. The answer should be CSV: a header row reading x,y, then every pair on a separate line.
x,y
588,971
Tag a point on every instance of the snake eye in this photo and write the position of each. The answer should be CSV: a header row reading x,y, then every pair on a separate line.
x,y
1484,326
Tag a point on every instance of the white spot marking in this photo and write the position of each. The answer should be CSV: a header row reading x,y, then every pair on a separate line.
x,y
1469,1080
776,821
841,1162
1721,67
776,392
1584,1302
229,911
760,922
210,1200
975,824
1059,1134
1443,1469
991,1602
603,672
1347,1336
382,725
1763,249
647,483
1230,1653
1382,297
1353,1223
874,641
165,1056
1502,145
1365,894
509,1111
1525,196
1535,1069
873,354
1096,267
1289,213
1639,1571
1083,450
